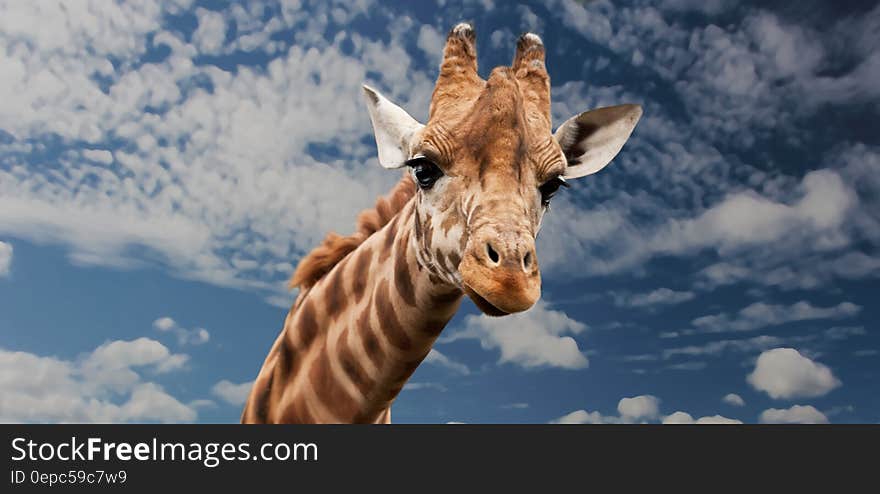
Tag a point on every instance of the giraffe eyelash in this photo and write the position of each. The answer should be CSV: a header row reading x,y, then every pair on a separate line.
x,y
549,188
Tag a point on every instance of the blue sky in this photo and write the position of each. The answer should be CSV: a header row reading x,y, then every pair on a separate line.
x,y
163,166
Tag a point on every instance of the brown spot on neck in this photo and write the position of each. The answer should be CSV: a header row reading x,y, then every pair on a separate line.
x,y
329,390
402,276
352,367
335,298
388,318
360,272
284,368
297,413
372,347
388,244
261,404
307,324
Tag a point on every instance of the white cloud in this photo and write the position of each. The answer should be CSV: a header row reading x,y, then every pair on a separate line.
x,y
199,336
744,219
712,348
686,418
5,258
234,394
642,357
844,332
164,324
436,358
431,42
660,296
195,336
759,315
98,155
529,21
717,419
784,373
642,408
639,408
110,365
861,167
102,386
415,386
582,417
149,402
211,33
797,414
734,399
501,38
805,272
118,356
678,418
687,366
538,337
705,6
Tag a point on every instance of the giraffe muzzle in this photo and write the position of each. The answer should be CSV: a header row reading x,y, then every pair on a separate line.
x,y
500,273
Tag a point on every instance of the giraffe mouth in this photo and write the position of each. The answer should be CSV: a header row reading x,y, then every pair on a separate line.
x,y
484,305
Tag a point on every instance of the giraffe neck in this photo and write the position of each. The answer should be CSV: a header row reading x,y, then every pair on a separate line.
x,y
351,341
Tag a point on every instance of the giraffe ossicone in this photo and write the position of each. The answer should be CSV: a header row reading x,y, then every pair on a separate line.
x,y
480,174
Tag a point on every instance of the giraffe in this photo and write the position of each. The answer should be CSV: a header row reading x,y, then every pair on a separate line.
x,y
462,220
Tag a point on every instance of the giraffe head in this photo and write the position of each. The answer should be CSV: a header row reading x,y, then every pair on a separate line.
x,y
487,164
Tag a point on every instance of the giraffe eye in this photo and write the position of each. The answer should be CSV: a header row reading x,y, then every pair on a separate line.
x,y
425,171
548,189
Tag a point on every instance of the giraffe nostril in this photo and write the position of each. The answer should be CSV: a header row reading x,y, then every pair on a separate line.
x,y
493,256
527,260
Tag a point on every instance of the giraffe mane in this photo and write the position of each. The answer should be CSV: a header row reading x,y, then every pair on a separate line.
x,y
333,249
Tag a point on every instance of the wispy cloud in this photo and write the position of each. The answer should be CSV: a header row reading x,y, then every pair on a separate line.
x,y
760,315
5,258
713,348
436,358
660,296
416,386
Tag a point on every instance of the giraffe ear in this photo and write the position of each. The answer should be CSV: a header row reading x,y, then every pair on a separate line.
x,y
395,130
592,139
